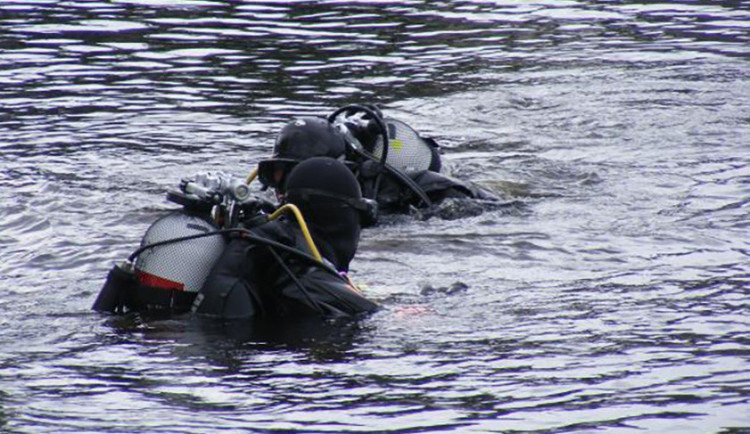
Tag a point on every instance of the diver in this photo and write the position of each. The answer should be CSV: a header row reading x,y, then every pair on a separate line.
x,y
251,279
400,176
224,255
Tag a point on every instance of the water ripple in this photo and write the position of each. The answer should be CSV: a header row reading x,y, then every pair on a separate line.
x,y
607,292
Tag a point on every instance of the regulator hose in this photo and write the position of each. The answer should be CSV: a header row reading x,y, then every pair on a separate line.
x,y
405,179
248,235
303,226
251,177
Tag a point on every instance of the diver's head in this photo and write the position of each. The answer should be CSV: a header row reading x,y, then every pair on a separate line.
x,y
299,140
329,196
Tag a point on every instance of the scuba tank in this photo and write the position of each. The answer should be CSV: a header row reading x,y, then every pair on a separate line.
x,y
170,275
166,276
178,250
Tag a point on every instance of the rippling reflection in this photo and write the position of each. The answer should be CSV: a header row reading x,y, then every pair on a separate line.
x,y
226,56
608,294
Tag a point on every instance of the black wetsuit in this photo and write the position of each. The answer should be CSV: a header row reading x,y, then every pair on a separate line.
x,y
252,279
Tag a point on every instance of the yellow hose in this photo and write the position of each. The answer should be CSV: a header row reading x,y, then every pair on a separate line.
x,y
297,214
251,177
308,238
301,221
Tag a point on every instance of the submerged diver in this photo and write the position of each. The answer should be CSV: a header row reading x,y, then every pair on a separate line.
x,y
252,280
220,256
399,176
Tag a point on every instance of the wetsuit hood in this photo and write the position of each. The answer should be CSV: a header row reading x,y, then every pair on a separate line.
x,y
327,193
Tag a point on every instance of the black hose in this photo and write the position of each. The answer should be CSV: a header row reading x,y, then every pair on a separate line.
x,y
246,234
387,167
296,281
403,178
375,116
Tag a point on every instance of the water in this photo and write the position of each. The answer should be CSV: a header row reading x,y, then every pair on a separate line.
x,y
608,294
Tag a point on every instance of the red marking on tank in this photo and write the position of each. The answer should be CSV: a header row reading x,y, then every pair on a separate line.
x,y
159,282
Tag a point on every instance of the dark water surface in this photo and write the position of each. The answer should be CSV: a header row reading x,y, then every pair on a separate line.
x,y
609,294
